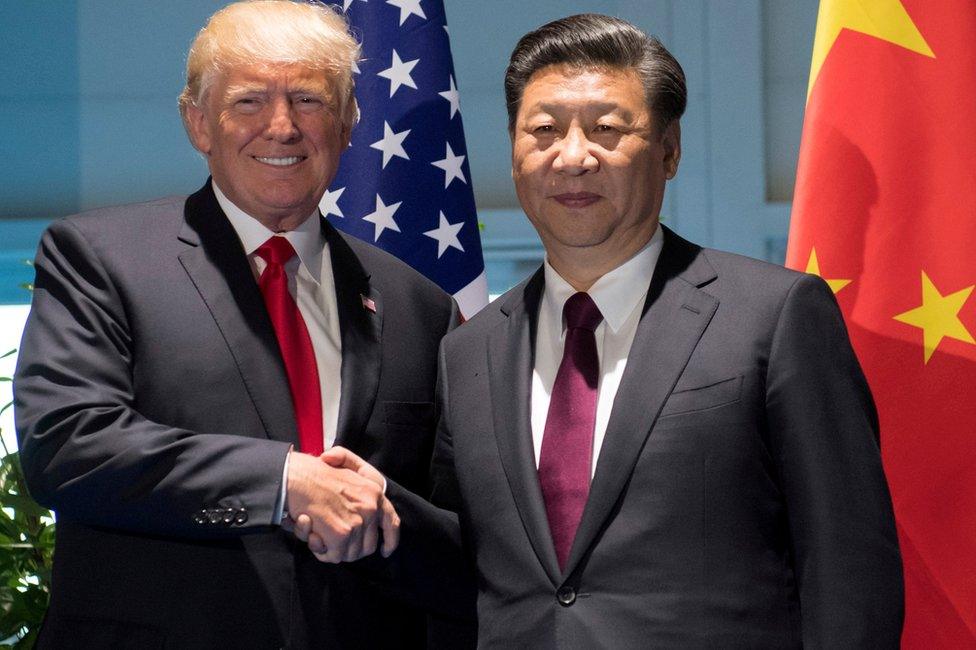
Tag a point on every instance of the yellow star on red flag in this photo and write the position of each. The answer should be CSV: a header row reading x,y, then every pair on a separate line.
x,y
813,266
938,316
884,19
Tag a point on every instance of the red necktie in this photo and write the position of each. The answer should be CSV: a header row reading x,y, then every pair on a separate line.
x,y
567,442
294,342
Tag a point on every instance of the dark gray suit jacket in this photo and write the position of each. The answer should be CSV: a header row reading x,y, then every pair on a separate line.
x,y
738,500
154,417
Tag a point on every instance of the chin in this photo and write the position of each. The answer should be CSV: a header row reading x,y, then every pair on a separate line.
x,y
288,201
584,232
581,241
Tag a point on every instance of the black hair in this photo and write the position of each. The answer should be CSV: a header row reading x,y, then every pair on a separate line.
x,y
597,41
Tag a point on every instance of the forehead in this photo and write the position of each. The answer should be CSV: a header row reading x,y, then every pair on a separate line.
x,y
565,87
273,76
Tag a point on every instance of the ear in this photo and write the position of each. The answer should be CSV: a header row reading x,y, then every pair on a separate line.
x,y
345,136
198,129
511,142
348,122
671,139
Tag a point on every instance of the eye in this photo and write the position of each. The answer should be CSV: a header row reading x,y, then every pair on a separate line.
x,y
247,104
544,128
604,128
308,102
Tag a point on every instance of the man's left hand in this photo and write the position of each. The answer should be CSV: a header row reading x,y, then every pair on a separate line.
x,y
340,457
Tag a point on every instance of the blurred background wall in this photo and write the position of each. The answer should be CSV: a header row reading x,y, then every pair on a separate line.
x,y
88,118
88,98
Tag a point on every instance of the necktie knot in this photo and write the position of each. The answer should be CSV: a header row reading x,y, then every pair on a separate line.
x,y
581,312
277,250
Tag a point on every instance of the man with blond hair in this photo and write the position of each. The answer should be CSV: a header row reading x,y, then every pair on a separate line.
x,y
187,360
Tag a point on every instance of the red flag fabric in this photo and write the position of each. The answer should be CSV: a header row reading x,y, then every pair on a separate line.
x,y
885,210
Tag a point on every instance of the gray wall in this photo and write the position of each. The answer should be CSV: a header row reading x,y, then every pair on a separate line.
x,y
88,98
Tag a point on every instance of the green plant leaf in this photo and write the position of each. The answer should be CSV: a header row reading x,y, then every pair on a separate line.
x,y
23,505
29,639
9,533
26,551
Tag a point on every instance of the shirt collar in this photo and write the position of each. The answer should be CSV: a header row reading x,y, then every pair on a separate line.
x,y
306,239
616,293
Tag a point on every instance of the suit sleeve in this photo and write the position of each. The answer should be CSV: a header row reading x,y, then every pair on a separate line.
x,y
430,563
823,431
86,451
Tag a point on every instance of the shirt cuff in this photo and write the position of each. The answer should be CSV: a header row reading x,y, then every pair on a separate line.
x,y
279,511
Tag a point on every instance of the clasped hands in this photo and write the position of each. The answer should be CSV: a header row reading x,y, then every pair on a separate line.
x,y
337,506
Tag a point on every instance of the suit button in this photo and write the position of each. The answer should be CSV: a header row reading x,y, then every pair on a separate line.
x,y
200,517
241,517
566,596
214,515
229,516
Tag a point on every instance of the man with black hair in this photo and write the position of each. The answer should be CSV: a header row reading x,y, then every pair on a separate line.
x,y
648,443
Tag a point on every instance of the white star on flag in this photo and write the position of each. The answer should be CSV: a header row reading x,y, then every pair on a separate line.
x,y
330,203
414,111
451,165
452,96
399,73
382,217
391,144
407,8
446,235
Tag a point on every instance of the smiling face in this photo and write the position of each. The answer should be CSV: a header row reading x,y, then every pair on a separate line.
x,y
272,136
589,166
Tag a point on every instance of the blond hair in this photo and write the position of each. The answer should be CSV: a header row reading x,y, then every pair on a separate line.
x,y
274,31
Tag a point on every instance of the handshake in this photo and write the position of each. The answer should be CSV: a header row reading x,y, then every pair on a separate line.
x,y
336,505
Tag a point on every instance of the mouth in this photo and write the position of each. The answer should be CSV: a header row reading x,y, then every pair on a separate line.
x,y
279,161
577,199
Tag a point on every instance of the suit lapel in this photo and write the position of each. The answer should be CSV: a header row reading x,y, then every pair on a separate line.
x,y
360,328
674,317
510,363
219,270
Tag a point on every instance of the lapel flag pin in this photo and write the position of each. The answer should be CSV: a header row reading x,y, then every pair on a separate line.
x,y
368,303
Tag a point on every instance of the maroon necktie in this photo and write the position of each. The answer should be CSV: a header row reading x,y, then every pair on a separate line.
x,y
294,342
567,443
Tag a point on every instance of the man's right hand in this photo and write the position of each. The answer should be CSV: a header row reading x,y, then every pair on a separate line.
x,y
337,507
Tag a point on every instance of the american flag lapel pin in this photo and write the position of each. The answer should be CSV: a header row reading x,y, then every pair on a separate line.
x,y
368,303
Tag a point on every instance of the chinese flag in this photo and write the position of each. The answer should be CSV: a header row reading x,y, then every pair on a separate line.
x,y
885,211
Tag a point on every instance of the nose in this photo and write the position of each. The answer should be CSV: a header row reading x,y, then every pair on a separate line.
x,y
281,125
575,156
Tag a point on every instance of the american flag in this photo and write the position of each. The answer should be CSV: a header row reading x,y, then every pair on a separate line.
x,y
404,184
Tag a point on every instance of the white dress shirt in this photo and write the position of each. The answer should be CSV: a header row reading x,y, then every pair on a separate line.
x,y
312,285
620,295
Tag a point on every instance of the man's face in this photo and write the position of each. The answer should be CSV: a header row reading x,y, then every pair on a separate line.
x,y
272,136
589,164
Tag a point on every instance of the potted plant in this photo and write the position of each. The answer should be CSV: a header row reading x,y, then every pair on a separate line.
x,y
26,549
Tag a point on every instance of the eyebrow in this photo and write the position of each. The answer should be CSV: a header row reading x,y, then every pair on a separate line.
x,y
302,89
589,107
244,89
321,91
